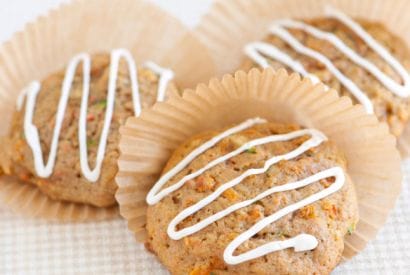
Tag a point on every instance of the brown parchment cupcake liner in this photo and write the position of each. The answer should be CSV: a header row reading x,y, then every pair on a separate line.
x,y
23,196
231,24
47,45
373,160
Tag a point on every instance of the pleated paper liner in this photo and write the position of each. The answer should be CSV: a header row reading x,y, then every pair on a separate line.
x,y
373,160
231,24
23,196
46,46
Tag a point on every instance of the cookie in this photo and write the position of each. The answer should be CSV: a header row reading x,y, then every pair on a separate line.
x,y
360,59
65,142
223,196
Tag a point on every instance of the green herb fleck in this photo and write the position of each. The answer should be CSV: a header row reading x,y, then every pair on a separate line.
x,y
91,142
251,150
212,273
351,229
101,103
282,234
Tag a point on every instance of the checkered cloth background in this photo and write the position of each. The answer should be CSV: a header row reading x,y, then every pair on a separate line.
x,y
37,247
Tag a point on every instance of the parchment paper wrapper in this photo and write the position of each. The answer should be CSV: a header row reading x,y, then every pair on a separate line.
x,y
231,24
373,160
47,45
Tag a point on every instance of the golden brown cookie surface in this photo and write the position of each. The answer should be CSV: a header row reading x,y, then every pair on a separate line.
x,y
67,181
201,253
388,107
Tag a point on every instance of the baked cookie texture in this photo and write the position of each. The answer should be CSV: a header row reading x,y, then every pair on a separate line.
x,y
329,219
388,107
67,182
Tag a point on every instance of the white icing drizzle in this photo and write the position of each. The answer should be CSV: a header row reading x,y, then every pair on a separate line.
x,y
31,92
153,197
301,242
256,49
166,76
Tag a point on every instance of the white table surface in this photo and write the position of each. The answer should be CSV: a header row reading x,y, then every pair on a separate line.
x,y
37,247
